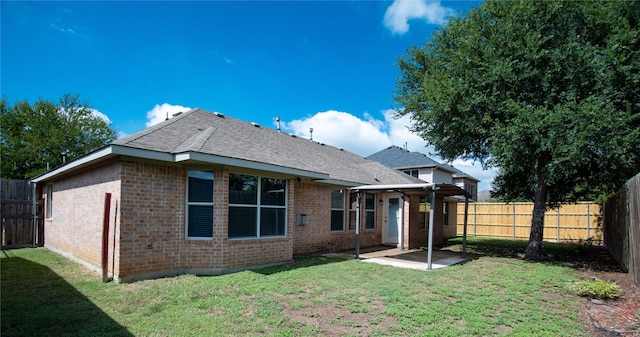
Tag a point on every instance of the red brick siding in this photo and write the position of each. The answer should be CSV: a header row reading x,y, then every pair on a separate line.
x,y
316,236
78,206
239,253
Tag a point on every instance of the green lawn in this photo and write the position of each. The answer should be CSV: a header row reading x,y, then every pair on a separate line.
x,y
43,294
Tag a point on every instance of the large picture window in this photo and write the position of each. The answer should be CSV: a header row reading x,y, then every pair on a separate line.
x,y
337,210
257,206
199,205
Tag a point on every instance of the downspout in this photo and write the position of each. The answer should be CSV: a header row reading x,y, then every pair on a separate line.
x,y
34,215
105,237
431,217
464,230
357,256
113,251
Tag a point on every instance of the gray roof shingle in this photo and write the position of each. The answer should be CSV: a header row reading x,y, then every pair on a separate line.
x,y
399,158
205,132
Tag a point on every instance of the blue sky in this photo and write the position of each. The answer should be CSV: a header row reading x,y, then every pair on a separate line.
x,y
326,65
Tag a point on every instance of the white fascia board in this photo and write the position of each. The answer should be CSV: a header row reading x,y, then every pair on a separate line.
x,y
213,159
414,167
392,187
139,153
400,187
105,152
336,182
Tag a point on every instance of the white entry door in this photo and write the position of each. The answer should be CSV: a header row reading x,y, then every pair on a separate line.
x,y
392,220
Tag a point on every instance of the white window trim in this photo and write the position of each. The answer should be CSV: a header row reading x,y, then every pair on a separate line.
x,y
369,210
186,212
339,209
49,209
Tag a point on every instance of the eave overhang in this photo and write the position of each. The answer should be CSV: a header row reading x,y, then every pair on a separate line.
x,y
188,157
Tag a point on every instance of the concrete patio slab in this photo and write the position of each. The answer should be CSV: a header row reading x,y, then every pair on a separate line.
x,y
412,259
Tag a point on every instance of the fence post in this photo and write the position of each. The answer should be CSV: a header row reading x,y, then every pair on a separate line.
x,y
514,221
588,220
475,213
558,231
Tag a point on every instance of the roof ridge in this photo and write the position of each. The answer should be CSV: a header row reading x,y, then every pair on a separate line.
x,y
196,142
153,128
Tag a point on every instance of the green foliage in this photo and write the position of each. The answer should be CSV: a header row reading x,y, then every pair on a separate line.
x,y
34,135
599,289
545,90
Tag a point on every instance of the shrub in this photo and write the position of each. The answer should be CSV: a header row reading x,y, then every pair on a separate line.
x,y
599,289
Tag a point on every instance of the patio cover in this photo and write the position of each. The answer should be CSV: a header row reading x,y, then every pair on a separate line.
x,y
446,190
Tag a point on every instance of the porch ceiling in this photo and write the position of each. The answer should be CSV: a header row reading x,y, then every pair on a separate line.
x,y
440,189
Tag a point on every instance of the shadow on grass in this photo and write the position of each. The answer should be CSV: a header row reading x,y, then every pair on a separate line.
x,y
38,302
577,256
301,262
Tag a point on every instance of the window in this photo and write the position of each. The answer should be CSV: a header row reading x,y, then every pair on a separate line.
x,y
353,205
413,173
425,206
337,210
49,209
445,213
369,211
257,206
199,205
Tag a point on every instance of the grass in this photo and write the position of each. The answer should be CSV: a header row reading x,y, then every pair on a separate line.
x,y
44,294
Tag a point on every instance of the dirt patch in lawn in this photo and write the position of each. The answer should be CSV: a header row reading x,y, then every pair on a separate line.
x,y
329,320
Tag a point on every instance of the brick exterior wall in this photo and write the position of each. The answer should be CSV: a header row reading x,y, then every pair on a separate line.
x,y
150,238
418,237
314,200
451,230
75,227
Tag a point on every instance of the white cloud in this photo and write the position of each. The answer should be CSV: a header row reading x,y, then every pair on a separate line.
x,y
475,170
100,115
397,16
160,112
369,135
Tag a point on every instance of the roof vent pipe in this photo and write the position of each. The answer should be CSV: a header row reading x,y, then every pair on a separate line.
x,y
278,123
311,133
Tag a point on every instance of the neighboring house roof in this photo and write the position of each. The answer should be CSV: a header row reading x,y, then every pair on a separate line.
x,y
399,159
200,136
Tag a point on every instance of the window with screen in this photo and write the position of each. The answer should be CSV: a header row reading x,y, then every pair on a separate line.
x,y
199,205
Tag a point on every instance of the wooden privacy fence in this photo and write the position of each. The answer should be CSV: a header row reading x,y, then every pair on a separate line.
x,y
622,226
580,222
21,215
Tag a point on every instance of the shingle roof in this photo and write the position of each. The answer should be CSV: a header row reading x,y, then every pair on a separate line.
x,y
399,158
210,133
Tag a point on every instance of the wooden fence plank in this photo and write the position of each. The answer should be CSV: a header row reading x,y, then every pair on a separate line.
x,y
16,210
570,223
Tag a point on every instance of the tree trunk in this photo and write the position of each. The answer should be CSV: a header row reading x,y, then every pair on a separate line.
x,y
534,248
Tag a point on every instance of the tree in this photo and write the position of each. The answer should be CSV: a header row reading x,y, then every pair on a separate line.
x,y
547,91
33,137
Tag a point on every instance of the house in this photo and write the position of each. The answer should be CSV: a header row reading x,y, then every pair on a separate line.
x,y
205,193
420,166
